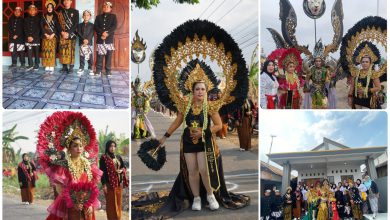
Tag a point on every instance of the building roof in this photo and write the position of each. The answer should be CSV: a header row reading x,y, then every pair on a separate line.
x,y
328,152
264,166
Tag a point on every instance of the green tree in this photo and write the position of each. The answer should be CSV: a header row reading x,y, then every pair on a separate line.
x,y
148,4
253,74
10,136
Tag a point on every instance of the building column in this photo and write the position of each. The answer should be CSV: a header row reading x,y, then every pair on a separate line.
x,y
286,178
371,168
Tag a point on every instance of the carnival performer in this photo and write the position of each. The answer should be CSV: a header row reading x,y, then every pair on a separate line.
x,y
76,174
140,123
113,180
50,34
244,125
32,35
27,177
290,83
85,32
185,91
317,79
68,18
266,205
373,194
268,86
16,38
105,25
277,206
287,207
361,60
312,199
325,197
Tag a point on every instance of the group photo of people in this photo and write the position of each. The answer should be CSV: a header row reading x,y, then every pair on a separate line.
x,y
344,200
57,47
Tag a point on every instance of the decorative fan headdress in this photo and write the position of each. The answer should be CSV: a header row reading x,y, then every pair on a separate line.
x,y
203,40
361,40
276,54
57,132
291,55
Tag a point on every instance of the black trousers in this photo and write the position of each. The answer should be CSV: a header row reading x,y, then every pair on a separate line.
x,y
15,54
82,62
99,61
30,51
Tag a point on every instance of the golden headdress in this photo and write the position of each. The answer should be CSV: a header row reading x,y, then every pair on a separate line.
x,y
198,75
50,2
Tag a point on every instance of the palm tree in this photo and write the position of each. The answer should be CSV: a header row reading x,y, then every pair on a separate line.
x,y
103,137
10,136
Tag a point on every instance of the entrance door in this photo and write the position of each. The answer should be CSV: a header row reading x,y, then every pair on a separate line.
x,y
121,38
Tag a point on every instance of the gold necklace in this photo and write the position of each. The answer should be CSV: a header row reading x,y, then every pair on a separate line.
x,y
196,109
78,167
291,78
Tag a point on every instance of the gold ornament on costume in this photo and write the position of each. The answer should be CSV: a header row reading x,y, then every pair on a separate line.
x,y
78,167
367,52
199,47
73,131
193,128
198,76
50,2
138,49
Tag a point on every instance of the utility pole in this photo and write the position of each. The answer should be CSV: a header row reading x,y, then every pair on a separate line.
x,y
272,140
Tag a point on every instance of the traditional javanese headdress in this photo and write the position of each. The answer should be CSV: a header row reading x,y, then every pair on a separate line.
x,y
57,132
199,39
362,40
197,71
50,2
291,55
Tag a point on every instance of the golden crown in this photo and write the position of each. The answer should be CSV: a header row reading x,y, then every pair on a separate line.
x,y
366,52
138,43
74,131
198,75
50,2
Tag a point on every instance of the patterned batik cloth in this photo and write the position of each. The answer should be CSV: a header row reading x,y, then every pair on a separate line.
x,y
19,47
49,52
103,48
86,51
67,51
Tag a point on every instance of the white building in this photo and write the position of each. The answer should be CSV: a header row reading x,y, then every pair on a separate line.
x,y
330,160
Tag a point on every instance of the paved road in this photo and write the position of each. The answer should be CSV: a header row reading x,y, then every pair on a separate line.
x,y
14,210
241,173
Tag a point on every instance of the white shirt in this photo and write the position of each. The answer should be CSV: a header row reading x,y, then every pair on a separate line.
x,y
267,87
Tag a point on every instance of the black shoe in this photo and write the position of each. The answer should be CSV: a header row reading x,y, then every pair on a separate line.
x,y
22,67
70,71
64,70
12,66
108,73
36,68
29,68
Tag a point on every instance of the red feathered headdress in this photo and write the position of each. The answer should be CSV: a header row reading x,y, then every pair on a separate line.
x,y
276,54
58,129
288,56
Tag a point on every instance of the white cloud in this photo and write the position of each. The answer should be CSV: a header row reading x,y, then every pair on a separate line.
x,y
369,117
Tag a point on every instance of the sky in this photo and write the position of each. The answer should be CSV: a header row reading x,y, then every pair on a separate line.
x,y
354,10
303,130
153,25
28,123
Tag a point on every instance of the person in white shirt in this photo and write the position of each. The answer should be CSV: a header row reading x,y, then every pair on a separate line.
x,y
268,86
